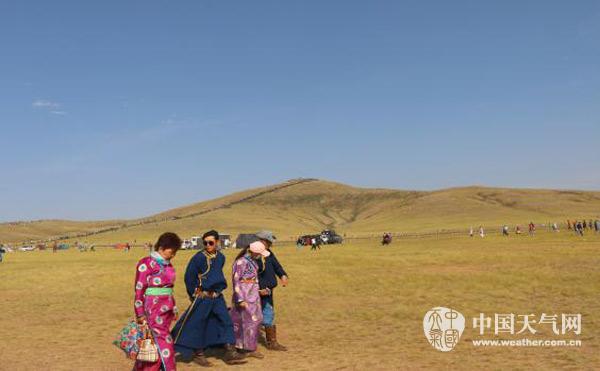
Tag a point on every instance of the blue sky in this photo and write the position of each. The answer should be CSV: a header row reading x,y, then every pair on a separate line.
x,y
114,109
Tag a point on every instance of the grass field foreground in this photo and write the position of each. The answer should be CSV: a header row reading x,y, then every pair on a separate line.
x,y
355,306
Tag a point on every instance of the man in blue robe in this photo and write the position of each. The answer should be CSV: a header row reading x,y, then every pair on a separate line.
x,y
206,323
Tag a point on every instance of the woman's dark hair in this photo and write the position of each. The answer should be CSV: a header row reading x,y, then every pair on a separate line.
x,y
242,253
213,233
168,240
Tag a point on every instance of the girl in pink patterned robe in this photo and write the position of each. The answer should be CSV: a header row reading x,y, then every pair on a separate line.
x,y
246,312
154,302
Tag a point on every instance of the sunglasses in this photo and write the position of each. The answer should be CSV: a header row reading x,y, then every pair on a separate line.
x,y
208,243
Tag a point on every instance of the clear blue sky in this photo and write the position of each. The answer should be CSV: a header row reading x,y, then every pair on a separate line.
x,y
124,108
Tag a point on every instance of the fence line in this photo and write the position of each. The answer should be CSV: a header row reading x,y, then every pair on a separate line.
x,y
287,184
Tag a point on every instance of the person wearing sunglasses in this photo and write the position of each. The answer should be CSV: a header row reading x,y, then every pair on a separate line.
x,y
206,323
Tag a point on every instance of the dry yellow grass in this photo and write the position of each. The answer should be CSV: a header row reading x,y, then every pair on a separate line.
x,y
310,207
357,306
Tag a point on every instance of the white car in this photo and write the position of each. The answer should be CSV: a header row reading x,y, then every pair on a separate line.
x,y
186,245
27,248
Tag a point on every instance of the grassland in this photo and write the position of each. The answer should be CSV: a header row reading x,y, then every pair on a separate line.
x,y
357,306
311,206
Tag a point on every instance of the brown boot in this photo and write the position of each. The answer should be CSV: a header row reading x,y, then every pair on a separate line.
x,y
232,356
272,343
200,359
253,354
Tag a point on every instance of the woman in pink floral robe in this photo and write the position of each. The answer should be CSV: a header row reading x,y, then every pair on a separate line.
x,y
154,302
246,312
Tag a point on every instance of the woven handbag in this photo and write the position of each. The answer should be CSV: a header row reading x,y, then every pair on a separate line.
x,y
148,351
129,339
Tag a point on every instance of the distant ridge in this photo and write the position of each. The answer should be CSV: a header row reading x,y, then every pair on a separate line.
x,y
306,205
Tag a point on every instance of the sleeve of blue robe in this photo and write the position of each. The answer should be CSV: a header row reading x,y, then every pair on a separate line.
x,y
195,267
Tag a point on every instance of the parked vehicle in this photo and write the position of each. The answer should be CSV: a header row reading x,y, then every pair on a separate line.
x,y
244,240
329,237
186,245
306,240
225,241
196,242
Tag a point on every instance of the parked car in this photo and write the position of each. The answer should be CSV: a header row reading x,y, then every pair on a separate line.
x,y
329,237
306,240
186,245
196,242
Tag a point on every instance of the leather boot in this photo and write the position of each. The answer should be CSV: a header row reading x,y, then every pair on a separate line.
x,y
200,359
252,354
232,356
272,344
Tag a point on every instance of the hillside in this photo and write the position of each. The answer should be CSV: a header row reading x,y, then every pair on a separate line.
x,y
307,205
43,229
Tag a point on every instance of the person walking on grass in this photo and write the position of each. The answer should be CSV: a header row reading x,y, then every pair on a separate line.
x,y
206,323
314,244
246,312
154,304
269,270
579,228
2,252
481,231
531,228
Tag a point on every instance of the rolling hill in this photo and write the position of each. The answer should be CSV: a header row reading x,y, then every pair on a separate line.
x,y
309,205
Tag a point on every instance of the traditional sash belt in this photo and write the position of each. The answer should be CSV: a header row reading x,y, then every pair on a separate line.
x,y
159,291
248,280
209,294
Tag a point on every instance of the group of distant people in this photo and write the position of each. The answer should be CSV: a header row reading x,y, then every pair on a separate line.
x,y
314,242
579,226
208,323
481,232
83,247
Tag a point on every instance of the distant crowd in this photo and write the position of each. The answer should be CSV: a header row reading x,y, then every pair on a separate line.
x,y
578,226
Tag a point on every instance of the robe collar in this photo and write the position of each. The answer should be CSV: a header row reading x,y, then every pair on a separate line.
x,y
159,259
209,255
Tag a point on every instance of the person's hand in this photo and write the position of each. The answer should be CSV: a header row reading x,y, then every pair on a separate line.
x,y
264,292
284,281
141,320
243,304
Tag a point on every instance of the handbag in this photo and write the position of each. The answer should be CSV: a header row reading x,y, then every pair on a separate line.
x,y
148,351
129,339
